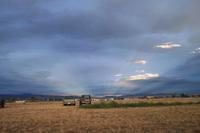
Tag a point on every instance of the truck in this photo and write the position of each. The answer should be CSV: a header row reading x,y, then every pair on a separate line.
x,y
85,99
69,101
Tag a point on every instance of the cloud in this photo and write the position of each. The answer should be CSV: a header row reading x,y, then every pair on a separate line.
x,y
140,71
196,51
166,85
190,68
143,62
118,75
184,79
18,84
143,76
168,45
75,45
122,84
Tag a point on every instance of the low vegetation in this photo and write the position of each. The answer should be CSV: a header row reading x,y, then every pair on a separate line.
x,y
114,104
53,117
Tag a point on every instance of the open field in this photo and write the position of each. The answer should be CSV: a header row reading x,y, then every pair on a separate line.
x,y
53,117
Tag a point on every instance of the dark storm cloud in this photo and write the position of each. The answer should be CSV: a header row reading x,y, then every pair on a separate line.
x,y
23,84
190,69
70,44
185,79
168,85
113,24
111,19
28,19
178,17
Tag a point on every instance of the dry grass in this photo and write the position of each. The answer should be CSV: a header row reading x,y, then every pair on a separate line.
x,y
168,100
55,118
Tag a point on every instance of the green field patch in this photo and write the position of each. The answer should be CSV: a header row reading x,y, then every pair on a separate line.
x,y
114,104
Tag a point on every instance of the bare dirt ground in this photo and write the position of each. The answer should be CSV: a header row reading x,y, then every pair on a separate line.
x,y
52,117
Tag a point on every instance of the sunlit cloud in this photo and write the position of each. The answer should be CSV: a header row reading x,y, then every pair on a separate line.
x,y
143,62
168,45
118,75
196,51
143,76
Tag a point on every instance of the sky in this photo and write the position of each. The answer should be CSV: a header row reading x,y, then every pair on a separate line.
x,y
99,47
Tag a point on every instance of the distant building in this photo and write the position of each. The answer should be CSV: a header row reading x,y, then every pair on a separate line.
x,y
150,97
20,102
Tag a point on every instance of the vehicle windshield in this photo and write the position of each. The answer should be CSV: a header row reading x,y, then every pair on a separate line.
x,y
86,96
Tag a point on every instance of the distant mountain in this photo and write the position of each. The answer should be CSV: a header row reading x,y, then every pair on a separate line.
x,y
28,96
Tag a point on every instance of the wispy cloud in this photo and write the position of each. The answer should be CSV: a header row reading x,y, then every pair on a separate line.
x,y
139,71
143,76
118,75
168,45
143,62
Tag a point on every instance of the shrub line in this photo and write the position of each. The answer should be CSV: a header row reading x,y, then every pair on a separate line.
x,y
114,104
